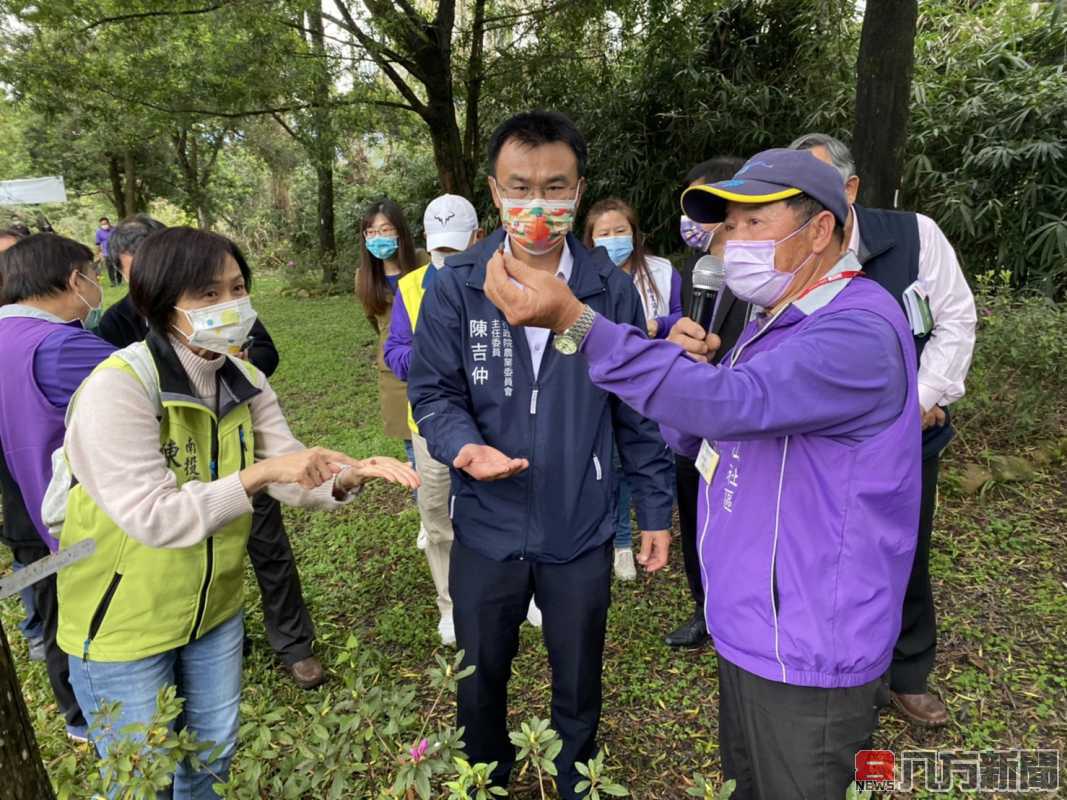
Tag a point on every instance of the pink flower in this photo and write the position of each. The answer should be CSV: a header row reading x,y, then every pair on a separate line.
x,y
418,753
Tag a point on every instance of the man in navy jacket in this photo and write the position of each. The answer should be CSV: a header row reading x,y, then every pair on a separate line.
x,y
530,439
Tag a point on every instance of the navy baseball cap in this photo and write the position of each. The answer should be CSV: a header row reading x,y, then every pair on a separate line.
x,y
767,177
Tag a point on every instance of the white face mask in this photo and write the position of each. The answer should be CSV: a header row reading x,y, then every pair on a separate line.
x,y
221,328
437,258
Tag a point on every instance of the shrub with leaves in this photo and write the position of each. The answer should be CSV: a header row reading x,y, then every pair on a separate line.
x,y
141,758
366,737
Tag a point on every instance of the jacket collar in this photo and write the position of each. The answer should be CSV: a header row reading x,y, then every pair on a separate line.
x,y
234,386
30,312
870,248
588,277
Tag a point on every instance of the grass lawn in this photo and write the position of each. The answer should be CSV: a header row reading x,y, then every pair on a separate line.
x,y
1000,583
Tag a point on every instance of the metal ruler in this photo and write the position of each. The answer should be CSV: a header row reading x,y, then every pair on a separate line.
x,y
42,568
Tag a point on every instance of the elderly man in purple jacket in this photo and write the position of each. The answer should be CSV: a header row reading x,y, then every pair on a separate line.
x,y
809,456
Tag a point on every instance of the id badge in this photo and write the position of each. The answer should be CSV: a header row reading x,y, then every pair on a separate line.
x,y
707,461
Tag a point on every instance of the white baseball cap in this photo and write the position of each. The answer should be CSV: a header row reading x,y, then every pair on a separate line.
x,y
449,222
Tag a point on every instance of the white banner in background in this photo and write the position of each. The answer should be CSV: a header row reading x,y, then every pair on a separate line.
x,y
32,190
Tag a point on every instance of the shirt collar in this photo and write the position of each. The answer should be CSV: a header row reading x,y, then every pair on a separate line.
x,y
855,242
566,260
20,310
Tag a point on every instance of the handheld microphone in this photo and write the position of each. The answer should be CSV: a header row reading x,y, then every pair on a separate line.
x,y
709,276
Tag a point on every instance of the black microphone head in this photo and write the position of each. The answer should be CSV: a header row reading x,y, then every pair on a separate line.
x,y
709,273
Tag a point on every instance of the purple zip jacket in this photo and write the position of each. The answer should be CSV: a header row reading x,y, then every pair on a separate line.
x,y
807,529
43,360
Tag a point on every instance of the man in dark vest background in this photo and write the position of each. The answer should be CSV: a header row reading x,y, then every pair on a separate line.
x,y
899,250
728,320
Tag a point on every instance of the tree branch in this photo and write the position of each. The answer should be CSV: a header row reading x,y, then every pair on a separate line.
x,y
379,52
257,112
148,14
373,47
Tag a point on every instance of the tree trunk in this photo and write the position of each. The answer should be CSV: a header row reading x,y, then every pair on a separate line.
x,y
883,96
24,774
118,196
472,139
448,151
327,242
130,177
325,145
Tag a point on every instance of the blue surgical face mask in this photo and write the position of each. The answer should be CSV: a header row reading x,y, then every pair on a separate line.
x,y
96,313
619,248
383,247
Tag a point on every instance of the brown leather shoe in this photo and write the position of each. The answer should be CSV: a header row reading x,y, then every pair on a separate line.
x,y
308,673
921,709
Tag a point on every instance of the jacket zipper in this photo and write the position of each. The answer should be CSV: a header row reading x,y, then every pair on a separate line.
x,y
534,392
596,466
241,436
101,610
209,542
774,557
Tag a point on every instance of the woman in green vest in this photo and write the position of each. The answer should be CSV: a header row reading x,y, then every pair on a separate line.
x,y
163,483
387,254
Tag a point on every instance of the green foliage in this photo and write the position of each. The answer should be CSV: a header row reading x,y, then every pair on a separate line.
x,y
366,738
141,758
593,784
987,156
1016,389
706,790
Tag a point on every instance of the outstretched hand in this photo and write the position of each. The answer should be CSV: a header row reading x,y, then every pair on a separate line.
x,y
485,463
382,468
528,296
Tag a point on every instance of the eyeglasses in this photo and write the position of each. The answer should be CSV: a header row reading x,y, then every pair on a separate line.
x,y
370,233
521,191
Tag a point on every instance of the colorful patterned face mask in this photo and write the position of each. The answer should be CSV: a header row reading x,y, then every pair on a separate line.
x,y
537,225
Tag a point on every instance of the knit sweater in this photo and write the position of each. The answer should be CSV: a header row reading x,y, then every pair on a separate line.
x,y
112,443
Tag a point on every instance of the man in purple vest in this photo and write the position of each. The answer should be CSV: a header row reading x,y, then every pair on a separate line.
x,y
49,289
809,457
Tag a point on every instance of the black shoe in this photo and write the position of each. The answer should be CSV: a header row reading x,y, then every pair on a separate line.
x,y
694,633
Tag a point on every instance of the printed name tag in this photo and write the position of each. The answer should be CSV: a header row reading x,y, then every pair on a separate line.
x,y
707,461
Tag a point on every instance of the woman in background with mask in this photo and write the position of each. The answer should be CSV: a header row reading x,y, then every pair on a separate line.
x,y
612,224
387,254
163,485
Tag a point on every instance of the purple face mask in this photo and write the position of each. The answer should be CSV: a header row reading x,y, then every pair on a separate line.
x,y
750,271
694,234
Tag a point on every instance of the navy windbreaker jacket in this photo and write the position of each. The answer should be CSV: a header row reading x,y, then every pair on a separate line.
x,y
472,381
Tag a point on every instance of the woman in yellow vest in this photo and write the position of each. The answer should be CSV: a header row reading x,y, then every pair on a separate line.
x,y
451,226
163,483
388,253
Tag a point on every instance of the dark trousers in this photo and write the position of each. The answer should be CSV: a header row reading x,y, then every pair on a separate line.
x,y
285,616
114,274
490,600
798,742
913,657
46,601
687,480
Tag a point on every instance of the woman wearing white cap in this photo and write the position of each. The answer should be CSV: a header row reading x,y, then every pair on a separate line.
x,y
451,226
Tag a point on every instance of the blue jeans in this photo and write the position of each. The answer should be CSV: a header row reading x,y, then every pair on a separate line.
x,y
624,534
207,673
32,626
